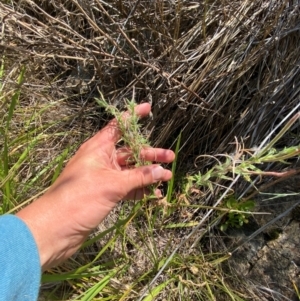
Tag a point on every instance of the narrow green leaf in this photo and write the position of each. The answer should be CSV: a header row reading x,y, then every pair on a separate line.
x,y
58,169
48,278
97,288
154,292
2,73
13,170
171,183
181,225
15,98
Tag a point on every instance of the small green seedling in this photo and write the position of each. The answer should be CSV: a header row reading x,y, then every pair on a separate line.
x,y
238,213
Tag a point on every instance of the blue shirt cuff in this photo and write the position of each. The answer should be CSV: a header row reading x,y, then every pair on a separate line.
x,y
20,269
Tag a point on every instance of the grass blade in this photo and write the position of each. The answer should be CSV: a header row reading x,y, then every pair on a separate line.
x,y
96,289
154,292
171,183
7,201
59,167
15,97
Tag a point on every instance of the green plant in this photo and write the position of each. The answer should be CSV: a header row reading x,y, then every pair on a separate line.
x,y
5,170
130,132
238,213
246,162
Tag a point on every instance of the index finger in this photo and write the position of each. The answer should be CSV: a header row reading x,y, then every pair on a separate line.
x,y
148,154
110,134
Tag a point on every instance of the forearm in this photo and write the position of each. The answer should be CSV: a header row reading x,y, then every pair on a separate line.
x,y
48,219
63,217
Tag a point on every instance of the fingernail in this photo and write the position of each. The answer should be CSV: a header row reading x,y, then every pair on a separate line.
x,y
157,173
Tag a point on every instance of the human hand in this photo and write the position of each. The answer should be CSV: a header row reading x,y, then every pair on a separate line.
x,y
90,186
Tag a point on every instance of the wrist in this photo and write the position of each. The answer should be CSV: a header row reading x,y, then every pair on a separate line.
x,y
51,228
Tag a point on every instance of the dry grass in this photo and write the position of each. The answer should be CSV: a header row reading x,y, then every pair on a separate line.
x,y
213,70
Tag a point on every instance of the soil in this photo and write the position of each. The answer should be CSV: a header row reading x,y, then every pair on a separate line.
x,y
270,262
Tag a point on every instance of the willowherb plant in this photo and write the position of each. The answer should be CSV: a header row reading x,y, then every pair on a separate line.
x,y
131,134
245,162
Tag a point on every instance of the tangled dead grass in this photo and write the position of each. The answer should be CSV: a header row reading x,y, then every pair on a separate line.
x,y
213,70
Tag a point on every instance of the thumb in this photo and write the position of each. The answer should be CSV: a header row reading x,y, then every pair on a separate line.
x,y
146,175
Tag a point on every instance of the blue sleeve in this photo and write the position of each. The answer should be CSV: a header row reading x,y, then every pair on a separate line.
x,y
20,269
